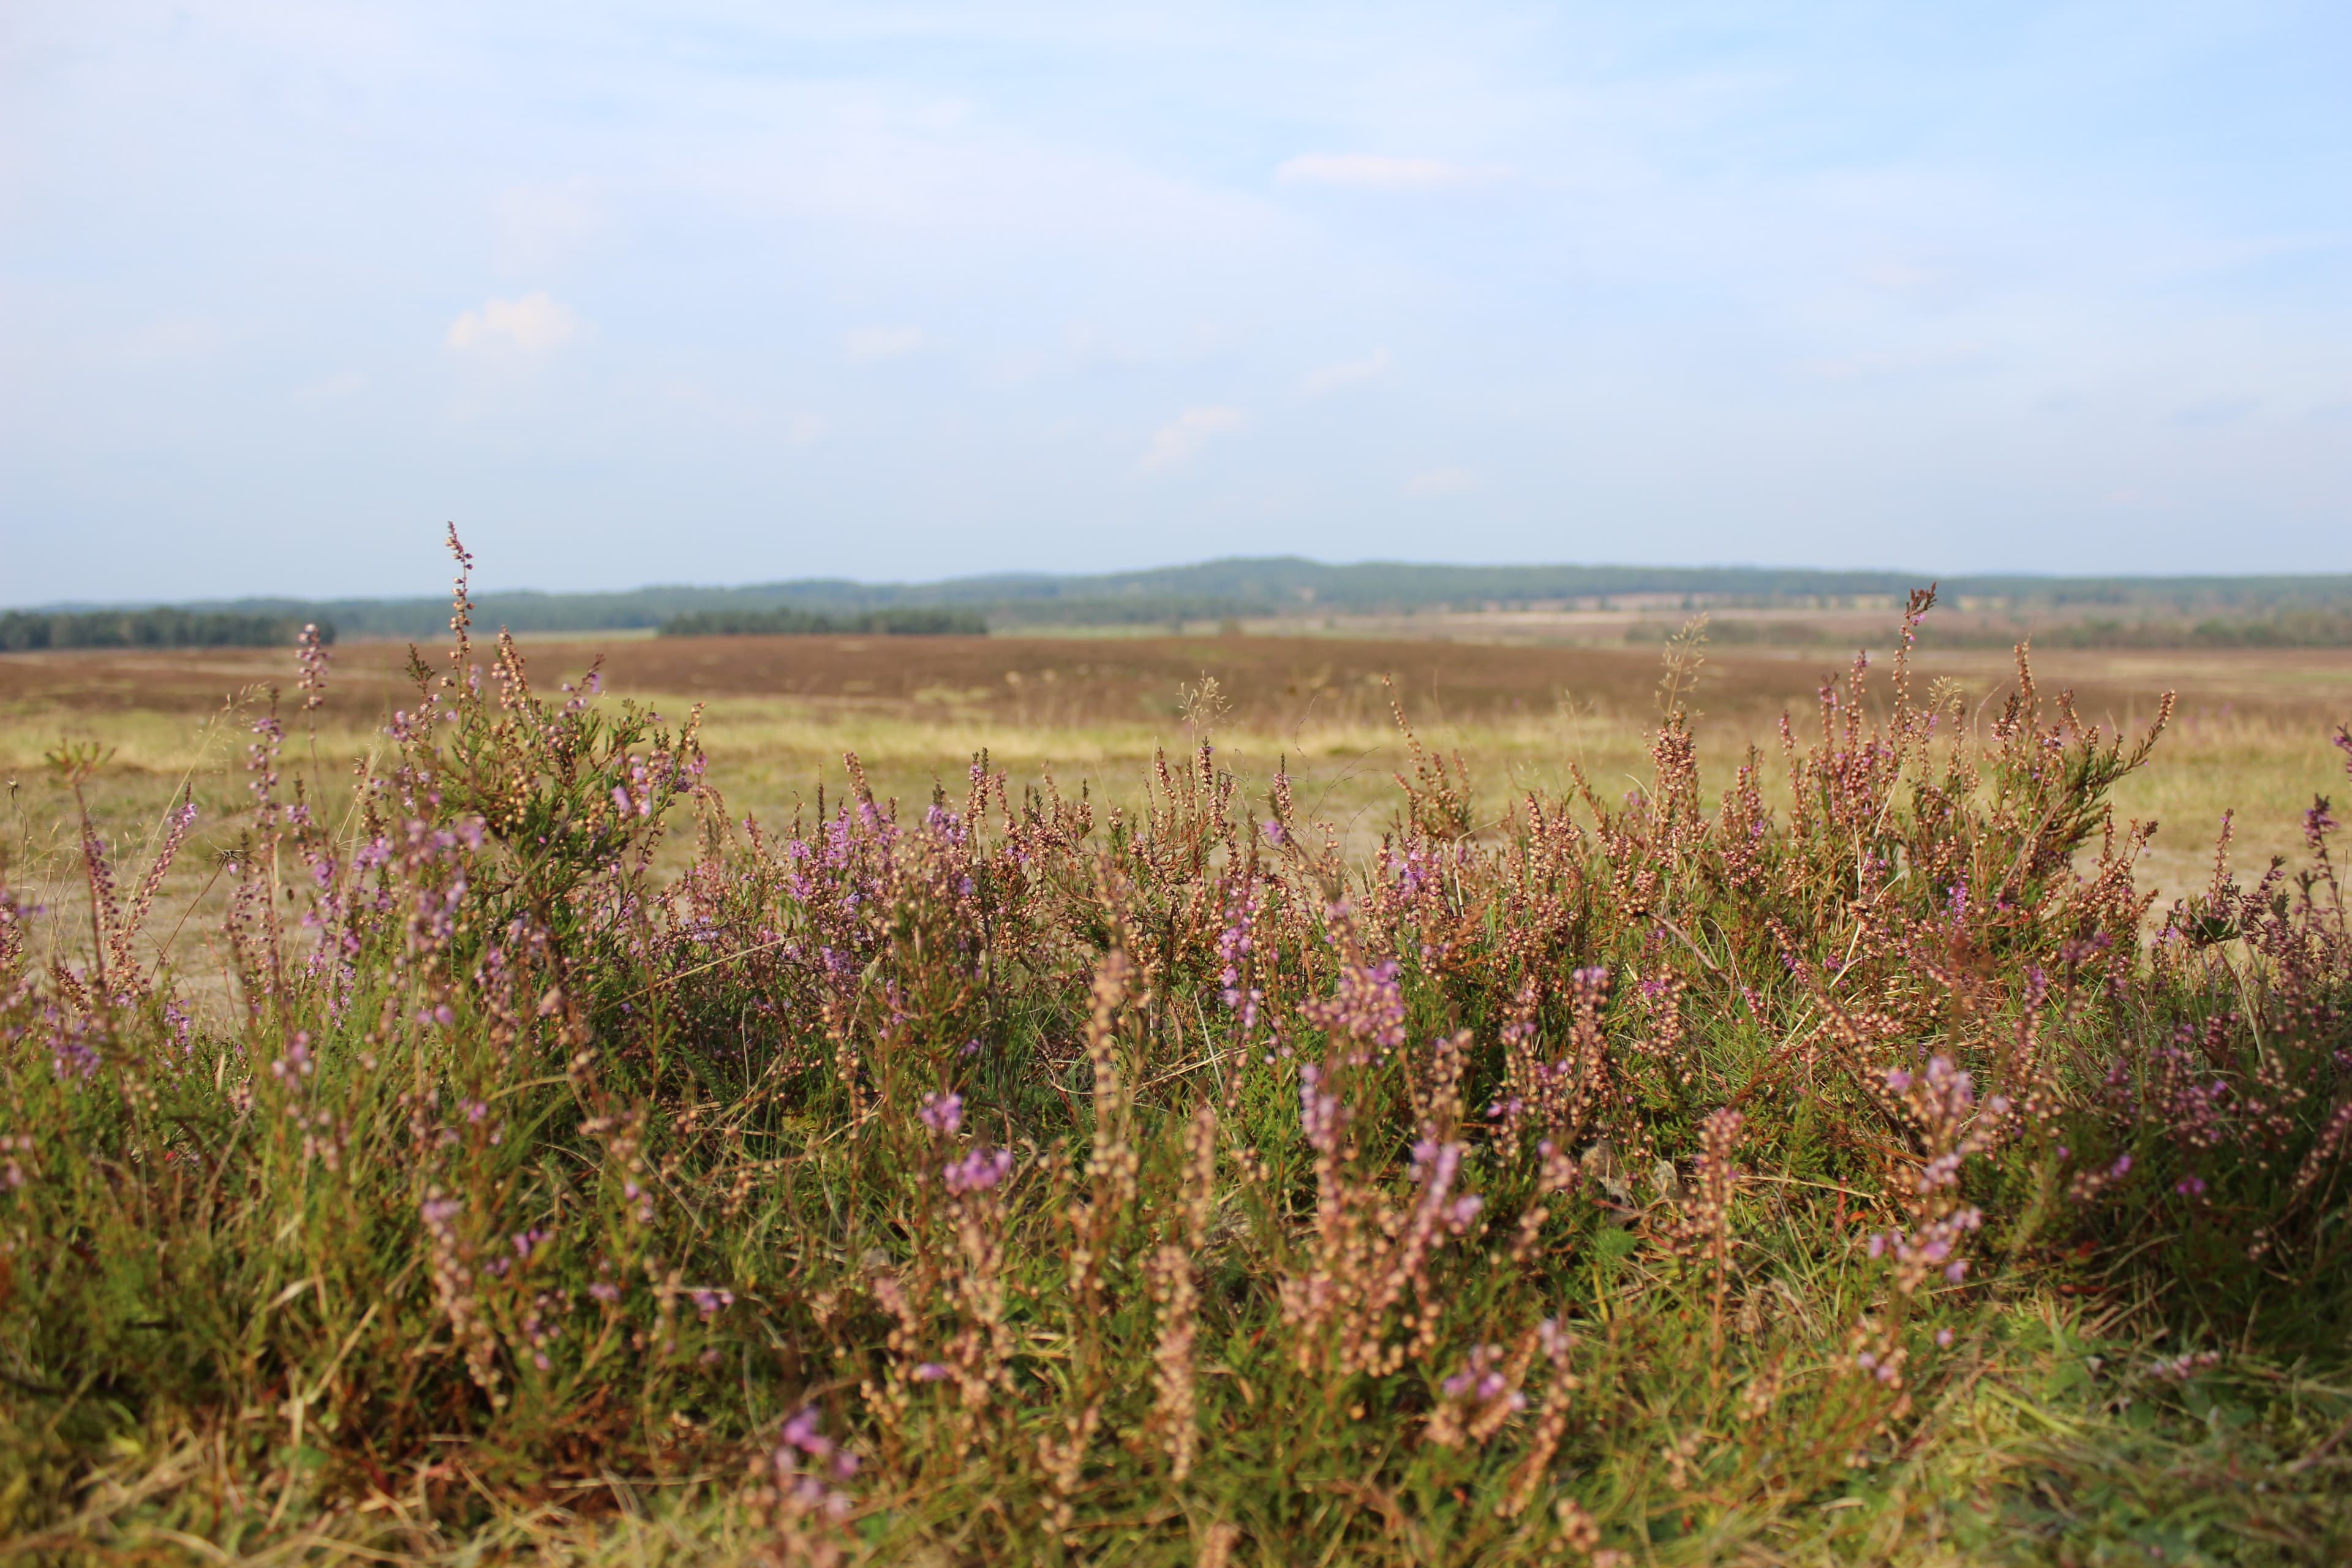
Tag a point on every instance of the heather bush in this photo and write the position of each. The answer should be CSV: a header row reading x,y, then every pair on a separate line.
x,y
998,1177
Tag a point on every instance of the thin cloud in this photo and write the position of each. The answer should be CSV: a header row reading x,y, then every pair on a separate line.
x,y
165,343
1440,482
868,344
1955,360
1370,170
1349,372
1175,443
541,225
2215,410
795,427
334,387
1898,276
533,325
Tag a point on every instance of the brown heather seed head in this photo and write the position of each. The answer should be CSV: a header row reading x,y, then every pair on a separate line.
x,y
1170,1277
1200,1177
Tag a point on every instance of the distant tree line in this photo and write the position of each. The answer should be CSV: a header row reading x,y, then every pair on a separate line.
x,y
22,630
2286,628
785,622
2288,608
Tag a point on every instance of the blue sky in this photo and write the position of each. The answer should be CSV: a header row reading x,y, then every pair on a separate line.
x,y
719,292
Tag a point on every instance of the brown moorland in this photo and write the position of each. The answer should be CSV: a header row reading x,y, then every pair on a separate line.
x,y
1269,681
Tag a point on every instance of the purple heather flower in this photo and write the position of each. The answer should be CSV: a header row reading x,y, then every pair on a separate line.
x,y
801,1432
977,1171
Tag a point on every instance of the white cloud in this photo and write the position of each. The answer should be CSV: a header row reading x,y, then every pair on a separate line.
x,y
867,344
534,323
1372,171
1175,443
1348,373
1440,482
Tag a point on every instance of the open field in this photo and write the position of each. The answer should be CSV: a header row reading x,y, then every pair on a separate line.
x,y
2250,736
532,1134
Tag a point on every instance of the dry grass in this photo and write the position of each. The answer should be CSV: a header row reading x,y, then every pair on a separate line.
x,y
2250,737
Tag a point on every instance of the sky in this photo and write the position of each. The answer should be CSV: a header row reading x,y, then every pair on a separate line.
x,y
703,291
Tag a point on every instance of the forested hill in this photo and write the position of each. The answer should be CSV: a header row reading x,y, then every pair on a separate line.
x,y
1290,585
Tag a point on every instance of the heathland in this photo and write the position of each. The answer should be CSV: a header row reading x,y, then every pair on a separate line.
x,y
1782,607
2249,735
1217,1098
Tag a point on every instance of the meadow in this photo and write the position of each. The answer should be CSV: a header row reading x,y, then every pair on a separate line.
x,y
1220,1099
2251,735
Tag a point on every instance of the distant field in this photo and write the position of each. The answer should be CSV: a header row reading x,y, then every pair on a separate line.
x,y
2251,733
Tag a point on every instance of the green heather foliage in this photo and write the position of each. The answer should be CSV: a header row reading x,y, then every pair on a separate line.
x,y
785,622
998,1179
23,630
